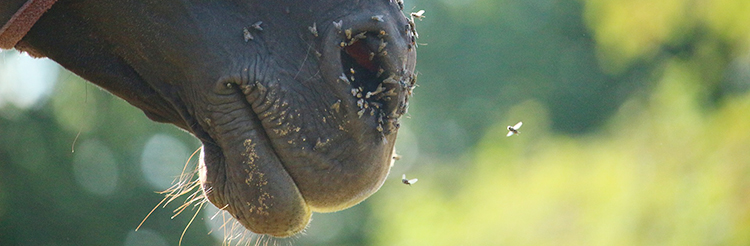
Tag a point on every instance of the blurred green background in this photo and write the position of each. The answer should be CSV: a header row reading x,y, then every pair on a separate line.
x,y
636,132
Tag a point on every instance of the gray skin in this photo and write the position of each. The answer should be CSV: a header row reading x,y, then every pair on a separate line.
x,y
283,135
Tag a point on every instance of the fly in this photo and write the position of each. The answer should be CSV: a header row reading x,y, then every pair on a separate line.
x,y
313,29
514,129
338,24
419,14
407,181
247,35
257,26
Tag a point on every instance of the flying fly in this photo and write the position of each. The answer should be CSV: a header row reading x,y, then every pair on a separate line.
x,y
514,129
407,181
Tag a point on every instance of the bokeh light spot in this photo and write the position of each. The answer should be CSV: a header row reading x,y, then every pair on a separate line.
x,y
95,168
25,80
162,160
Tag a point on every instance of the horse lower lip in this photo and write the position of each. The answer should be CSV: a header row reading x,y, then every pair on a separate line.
x,y
244,174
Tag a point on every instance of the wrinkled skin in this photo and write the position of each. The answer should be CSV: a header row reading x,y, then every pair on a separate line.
x,y
284,135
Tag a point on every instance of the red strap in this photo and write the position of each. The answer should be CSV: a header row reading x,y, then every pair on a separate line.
x,y
22,21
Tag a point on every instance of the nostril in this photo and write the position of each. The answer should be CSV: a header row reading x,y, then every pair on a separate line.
x,y
362,61
375,64
374,87
362,55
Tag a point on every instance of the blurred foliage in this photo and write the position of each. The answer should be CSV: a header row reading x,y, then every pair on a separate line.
x,y
662,171
635,133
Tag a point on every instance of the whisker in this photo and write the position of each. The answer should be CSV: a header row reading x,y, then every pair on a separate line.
x,y
149,213
220,210
180,187
301,66
189,223
182,174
